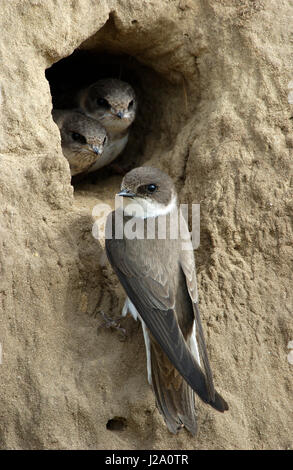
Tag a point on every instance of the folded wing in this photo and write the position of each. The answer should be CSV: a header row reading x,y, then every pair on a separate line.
x,y
149,291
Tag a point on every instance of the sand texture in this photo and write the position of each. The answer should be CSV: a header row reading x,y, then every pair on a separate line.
x,y
213,80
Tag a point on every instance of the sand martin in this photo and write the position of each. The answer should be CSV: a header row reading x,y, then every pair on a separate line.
x,y
159,278
113,104
83,139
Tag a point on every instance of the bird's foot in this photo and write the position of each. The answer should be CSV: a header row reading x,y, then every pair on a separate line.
x,y
113,324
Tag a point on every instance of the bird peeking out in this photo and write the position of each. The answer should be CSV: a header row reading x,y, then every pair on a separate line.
x,y
113,104
158,276
83,139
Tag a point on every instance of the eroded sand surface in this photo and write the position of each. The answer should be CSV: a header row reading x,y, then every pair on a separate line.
x,y
213,84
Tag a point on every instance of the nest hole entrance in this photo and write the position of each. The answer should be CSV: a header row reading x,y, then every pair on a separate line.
x,y
116,424
152,133
82,68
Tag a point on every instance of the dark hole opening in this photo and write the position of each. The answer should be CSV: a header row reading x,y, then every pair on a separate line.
x,y
116,424
84,67
157,97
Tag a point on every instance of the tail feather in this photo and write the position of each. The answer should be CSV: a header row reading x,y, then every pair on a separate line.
x,y
175,398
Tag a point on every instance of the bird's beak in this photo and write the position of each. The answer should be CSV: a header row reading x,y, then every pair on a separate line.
x,y
120,114
97,150
126,193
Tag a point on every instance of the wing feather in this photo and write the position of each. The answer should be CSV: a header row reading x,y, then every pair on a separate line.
x,y
155,303
188,268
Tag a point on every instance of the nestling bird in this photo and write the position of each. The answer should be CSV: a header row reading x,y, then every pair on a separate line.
x,y
112,102
83,139
159,278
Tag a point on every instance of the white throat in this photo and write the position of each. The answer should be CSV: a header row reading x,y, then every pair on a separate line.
x,y
144,207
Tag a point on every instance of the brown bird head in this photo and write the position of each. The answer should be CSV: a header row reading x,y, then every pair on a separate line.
x,y
149,188
112,102
83,139
81,134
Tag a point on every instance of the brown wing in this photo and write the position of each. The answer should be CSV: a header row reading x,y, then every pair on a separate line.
x,y
148,290
188,267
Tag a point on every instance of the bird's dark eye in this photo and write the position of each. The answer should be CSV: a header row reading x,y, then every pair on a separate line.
x,y
131,104
147,188
78,138
151,188
103,102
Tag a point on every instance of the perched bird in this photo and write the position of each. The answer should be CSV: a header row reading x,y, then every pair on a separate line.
x,y
83,139
112,102
159,278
